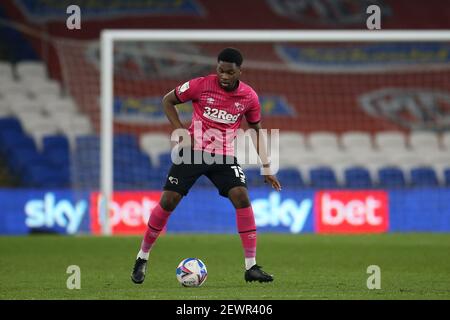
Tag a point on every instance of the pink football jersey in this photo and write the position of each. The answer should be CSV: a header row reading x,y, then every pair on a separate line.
x,y
218,112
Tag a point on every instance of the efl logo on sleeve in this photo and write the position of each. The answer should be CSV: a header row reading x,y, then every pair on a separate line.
x,y
351,212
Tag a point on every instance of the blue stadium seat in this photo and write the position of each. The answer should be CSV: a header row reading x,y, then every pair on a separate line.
x,y
86,157
10,124
87,142
10,140
56,150
58,157
55,142
424,177
290,178
391,177
165,161
123,140
447,176
21,157
323,177
253,177
42,175
357,177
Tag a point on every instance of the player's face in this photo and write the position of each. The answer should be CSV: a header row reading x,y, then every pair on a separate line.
x,y
228,74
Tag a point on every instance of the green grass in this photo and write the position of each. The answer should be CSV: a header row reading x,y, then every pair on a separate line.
x,y
413,266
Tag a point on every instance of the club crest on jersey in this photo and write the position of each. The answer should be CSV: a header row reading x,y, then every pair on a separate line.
x,y
239,107
173,180
210,100
184,87
221,116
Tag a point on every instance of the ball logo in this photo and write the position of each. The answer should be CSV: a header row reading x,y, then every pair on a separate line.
x,y
351,212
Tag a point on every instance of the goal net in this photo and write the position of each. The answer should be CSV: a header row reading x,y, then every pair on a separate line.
x,y
340,100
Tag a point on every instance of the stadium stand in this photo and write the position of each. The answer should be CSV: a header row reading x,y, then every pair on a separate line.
x,y
50,123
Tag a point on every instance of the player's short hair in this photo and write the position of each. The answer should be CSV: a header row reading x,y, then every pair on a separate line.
x,y
231,55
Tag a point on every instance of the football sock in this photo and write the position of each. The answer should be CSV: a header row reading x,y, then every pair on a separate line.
x,y
249,262
143,255
247,231
157,222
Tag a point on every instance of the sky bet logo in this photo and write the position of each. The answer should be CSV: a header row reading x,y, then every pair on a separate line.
x,y
290,213
51,213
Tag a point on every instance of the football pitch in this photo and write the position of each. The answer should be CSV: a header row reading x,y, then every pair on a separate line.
x,y
412,266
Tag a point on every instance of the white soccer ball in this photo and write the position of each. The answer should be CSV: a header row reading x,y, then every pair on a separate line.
x,y
191,272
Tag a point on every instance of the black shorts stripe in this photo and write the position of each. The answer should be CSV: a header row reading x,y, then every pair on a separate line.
x,y
253,230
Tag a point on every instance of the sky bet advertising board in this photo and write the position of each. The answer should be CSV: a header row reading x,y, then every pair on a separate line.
x,y
293,211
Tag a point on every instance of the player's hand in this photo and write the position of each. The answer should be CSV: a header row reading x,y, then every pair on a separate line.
x,y
273,181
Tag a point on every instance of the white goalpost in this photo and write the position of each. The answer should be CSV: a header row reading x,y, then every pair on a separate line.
x,y
110,37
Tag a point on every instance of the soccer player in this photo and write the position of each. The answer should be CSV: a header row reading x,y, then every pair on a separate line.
x,y
220,101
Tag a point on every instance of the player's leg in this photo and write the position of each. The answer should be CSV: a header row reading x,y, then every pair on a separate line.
x,y
230,181
247,231
158,220
180,179
156,223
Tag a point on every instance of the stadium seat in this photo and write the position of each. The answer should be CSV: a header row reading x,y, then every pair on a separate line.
x,y
373,161
390,141
323,140
56,150
424,141
52,105
323,177
165,161
6,71
407,161
290,177
10,124
155,144
88,142
291,140
447,176
337,160
11,89
391,177
42,175
356,141
303,161
446,141
124,140
253,177
36,88
439,161
31,69
11,140
4,109
357,177
39,134
19,104
423,177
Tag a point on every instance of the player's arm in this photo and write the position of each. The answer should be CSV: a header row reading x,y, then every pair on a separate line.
x,y
169,101
261,148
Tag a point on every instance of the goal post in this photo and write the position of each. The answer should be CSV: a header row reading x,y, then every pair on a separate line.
x,y
110,37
